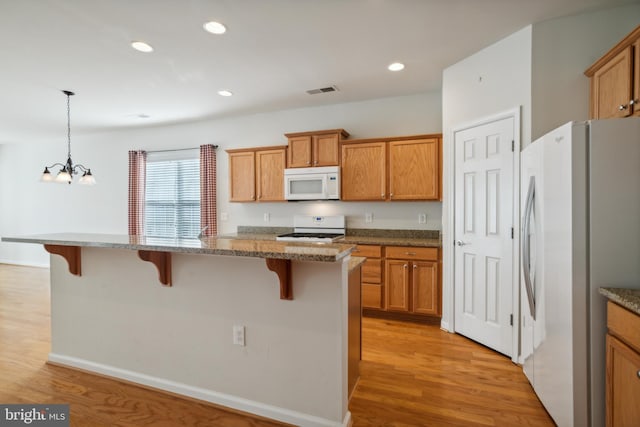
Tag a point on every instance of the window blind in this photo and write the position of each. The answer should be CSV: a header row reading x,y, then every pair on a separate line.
x,y
172,197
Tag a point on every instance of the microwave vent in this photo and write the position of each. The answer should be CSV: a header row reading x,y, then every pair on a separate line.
x,y
322,90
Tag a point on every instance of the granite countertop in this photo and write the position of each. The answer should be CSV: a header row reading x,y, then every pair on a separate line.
x,y
417,238
628,298
391,241
248,247
356,261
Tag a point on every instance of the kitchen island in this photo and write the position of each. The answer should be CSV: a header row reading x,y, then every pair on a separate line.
x,y
165,313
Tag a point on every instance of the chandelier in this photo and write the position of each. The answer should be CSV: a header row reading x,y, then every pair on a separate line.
x,y
68,169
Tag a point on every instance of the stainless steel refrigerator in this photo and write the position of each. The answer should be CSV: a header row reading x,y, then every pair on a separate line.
x,y
580,199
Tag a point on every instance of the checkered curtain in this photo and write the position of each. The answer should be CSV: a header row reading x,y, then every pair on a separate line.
x,y
137,179
208,190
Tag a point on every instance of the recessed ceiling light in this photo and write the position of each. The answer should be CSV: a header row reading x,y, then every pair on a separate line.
x,y
396,66
141,46
224,93
215,27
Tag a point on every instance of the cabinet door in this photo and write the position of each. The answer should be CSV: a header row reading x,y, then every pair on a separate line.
x,y
326,150
242,176
363,171
414,169
623,384
424,288
611,87
636,79
270,175
299,152
397,285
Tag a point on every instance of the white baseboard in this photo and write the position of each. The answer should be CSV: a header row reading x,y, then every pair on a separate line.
x,y
24,263
222,399
444,325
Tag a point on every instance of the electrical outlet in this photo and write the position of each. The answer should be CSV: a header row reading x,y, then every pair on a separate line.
x,y
266,217
224,216
422,218
238,335
368,217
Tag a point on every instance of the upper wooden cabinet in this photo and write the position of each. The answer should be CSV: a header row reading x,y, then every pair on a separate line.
x,y
402,168
414,169
318,148
257,174
364,171
242,176
615,80
270,166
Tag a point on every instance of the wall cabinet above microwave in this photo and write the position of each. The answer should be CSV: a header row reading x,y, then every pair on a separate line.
x,y
318,148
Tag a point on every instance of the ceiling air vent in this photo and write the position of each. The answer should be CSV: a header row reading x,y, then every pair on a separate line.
x,y
323,90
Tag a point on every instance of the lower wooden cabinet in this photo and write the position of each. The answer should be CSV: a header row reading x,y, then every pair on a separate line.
x,y
412,285
372,296
401,279
623,367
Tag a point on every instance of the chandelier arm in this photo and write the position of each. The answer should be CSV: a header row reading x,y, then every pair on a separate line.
x,y
55,164
81,167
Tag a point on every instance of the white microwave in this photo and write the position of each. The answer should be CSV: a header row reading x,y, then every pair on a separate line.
x,y
322,183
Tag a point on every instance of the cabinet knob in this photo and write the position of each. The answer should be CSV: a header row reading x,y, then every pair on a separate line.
x,y
382,195
391,195
622,107
415,266
638,374
405,266
633,102
308,163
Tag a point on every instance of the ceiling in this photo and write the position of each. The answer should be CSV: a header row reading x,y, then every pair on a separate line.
x,y
273,52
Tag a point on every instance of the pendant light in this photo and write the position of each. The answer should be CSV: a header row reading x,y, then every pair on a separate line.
x,y
68,169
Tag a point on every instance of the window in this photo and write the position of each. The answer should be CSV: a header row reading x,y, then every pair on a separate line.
x,y
172,196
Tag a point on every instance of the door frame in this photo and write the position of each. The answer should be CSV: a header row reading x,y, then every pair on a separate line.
x,y
448,229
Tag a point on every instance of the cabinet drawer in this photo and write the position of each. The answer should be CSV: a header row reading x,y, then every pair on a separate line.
x,y
624,324
372,270
371,295
408,252
369,251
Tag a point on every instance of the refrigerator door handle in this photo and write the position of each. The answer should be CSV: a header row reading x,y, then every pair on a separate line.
x,y
526,254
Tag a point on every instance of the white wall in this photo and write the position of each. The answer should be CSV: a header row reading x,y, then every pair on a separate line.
x,y
30,207
493,80
562,49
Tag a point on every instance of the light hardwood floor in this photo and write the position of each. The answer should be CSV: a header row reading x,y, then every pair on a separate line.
x,y
411,375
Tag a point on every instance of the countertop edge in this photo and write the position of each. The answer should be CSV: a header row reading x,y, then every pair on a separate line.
x,y
627,298
338,256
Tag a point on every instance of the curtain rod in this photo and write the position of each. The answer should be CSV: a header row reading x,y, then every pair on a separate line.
x,y
177,149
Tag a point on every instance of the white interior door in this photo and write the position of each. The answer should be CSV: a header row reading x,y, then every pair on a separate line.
x,y
484,221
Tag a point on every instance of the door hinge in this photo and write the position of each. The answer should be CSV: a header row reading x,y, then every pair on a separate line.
x,y
512,232
513,145
511,319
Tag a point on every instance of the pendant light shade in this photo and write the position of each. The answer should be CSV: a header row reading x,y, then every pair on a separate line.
x,y
68,169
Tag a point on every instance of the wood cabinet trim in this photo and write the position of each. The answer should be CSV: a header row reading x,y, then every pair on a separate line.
x,y
250,149
627,41
343,133
71,254
391,138
624,324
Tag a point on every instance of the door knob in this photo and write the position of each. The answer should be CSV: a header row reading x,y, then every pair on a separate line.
x,y
461,243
